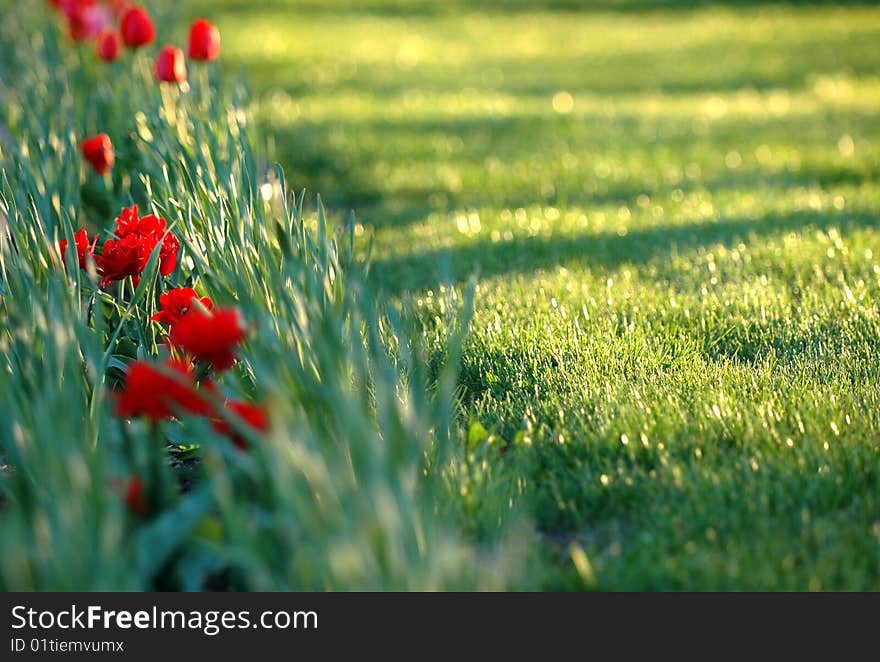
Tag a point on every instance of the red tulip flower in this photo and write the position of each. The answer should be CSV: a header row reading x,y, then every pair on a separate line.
x,y
135,499
170,65
210,336
122,258
129,253
151,229
136,27
98,151
128,222
176,303
108,45
84,250
204,40
252,416
168,254
161,392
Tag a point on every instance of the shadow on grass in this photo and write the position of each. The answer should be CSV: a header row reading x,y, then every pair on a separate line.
x,y
347,178
427,268
758,514
406,208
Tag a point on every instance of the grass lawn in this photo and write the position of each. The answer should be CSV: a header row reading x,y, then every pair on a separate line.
x,y
673,215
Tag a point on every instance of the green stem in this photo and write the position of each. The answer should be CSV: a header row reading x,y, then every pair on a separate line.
x,y
158,486
204,85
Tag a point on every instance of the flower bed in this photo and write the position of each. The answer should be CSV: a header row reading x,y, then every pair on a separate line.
x,y
203,391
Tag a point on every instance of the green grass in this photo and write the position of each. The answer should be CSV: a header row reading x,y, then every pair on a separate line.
x,y
673,215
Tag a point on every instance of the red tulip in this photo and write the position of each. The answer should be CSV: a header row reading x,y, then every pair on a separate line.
x,y
204,40
252,416
137,237
84,250
128,222
177,303
170,65
108,44
160,392
151,230
136,27
98,151
210,336
122,258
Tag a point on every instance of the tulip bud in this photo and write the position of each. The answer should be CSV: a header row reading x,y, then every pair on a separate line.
x,y
170,65
204,40
98,151
137,28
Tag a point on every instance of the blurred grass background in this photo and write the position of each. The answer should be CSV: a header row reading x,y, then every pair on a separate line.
x,y
673,210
